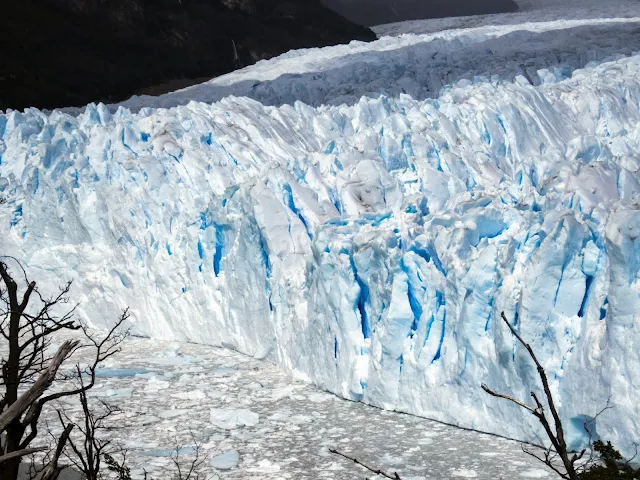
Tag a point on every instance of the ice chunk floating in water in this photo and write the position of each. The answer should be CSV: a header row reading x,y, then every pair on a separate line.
x,y
231,419
226,461
369,248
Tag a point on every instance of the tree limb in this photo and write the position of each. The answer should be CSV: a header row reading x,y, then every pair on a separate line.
x,y
22,453
52,470
507,397
38,388
547,460
557,438
543,378
372,470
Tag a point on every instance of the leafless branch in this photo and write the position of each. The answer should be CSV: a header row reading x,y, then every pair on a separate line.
x,y
28,321
192,467
22,453
38,388
507,397
52,469
377,471
556,437
549,459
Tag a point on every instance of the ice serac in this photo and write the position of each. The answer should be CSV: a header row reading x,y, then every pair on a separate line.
x,y
369,247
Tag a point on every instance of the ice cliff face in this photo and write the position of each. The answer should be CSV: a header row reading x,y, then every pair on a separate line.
x,y
367,247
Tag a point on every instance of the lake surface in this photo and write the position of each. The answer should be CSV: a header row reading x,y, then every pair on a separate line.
x,y
251,421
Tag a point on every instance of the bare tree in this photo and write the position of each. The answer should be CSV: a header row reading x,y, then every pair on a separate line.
x,y
28,323
565,463
553,428
186,468
52,468
189,470
120,467
87,452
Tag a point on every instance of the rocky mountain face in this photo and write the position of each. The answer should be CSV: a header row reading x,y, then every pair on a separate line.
x,y
378,12
70,52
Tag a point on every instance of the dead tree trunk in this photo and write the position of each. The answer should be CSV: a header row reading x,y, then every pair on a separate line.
x,y
28,323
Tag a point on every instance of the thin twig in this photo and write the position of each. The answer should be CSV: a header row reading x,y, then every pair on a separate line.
x,y
395,475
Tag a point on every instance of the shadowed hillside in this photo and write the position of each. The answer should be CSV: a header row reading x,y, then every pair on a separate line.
x,y
70,52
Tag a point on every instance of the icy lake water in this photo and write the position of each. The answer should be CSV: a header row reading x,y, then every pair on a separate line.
x,y
255,422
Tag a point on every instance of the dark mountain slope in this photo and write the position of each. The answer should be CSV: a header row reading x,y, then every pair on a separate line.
x,y
378,12
70,52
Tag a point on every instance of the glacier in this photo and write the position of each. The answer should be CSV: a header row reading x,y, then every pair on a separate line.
x,y
368,238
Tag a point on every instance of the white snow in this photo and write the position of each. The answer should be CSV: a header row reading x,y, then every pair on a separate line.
x,y
368,239
561,12
421,64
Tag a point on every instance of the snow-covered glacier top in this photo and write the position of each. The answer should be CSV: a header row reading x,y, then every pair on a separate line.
x,y
362,214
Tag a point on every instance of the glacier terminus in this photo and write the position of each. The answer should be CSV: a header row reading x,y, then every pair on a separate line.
x,y
361,215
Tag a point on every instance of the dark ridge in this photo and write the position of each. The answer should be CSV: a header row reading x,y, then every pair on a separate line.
x,y
59,53
379,12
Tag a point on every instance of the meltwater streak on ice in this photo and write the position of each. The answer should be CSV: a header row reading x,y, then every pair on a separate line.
x,y
369,248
